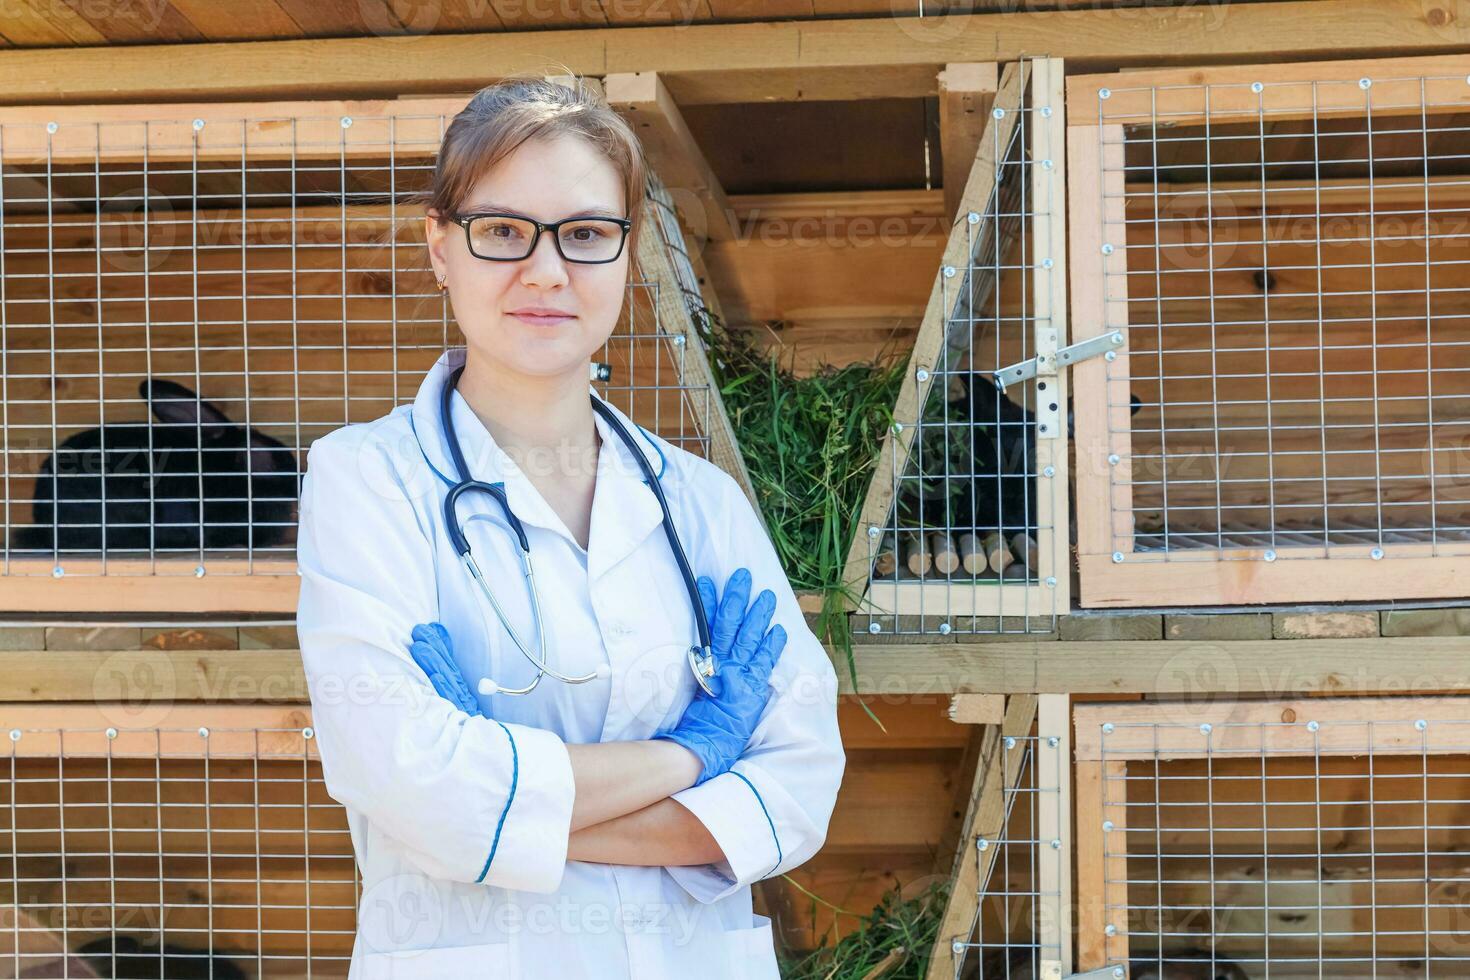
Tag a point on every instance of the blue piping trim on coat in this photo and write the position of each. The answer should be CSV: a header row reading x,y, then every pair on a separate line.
x,y
515,773
779,857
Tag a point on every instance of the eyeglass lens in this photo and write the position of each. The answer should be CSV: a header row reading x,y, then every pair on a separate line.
x,y
584,240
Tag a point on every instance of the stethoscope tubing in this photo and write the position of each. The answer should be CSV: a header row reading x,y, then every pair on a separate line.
x,y
701,658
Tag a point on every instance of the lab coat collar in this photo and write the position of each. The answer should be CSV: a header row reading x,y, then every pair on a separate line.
x,y
624,509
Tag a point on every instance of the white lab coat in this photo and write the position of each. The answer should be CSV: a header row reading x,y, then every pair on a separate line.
x,y
460,824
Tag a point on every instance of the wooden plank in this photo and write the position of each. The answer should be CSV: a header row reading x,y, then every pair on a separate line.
x,y
1229,727
977,709
312,130
998,770
1324,89
1181,668
270,585
1102,863
644,101
656,265
1053,805
852,58
966,93
1099,304
1243,577
917,673
235,731
892,459
1048,231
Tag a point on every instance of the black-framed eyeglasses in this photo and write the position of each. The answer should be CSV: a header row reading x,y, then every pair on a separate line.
x,y
501,236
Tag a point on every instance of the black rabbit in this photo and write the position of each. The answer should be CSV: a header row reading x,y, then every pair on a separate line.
x,y
993,478
192,467
122,957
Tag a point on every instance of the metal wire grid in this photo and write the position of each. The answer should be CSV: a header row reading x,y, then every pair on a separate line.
x,y
168,852
1006,940
1295,318
1259,859
966,518
272,270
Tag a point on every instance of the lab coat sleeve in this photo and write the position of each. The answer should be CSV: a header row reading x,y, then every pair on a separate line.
x,y
770,812
468,798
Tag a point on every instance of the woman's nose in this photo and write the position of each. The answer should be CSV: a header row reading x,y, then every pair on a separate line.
x,y
544,266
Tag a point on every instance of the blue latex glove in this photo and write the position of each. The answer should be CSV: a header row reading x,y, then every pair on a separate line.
x,y
432,651
717,727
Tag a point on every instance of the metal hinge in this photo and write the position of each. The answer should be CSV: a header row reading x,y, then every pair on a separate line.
x,y
1041,364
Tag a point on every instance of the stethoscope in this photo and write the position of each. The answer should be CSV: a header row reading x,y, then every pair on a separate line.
x,y
701,658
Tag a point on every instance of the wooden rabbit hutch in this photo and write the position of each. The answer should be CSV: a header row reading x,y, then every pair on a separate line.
x,y
1159,581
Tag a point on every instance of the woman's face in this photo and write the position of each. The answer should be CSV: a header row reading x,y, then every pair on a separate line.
x,y
545,179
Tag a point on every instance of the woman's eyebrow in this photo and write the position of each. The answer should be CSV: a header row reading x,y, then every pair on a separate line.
x,y
594,210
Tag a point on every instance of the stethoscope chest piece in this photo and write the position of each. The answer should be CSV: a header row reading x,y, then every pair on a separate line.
x,y
702,666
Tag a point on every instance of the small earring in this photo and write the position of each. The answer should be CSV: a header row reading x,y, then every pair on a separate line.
x,y
443,284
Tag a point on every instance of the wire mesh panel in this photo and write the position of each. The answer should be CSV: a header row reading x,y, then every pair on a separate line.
x,y
200,851
965,528
1280,249
1022,874
1322,838
189,296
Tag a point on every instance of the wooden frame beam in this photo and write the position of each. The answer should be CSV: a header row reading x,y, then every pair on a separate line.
x,y
966,93
877,57
1207,670
644,101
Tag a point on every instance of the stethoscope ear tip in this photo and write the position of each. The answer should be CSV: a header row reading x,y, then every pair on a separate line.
x,y
488,687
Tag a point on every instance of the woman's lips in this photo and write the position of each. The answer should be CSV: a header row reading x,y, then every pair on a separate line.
x,y
541,320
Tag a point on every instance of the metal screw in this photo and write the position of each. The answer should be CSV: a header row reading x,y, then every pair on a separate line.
x,y
111,733
1053,741
1312,726
1270,554
51,127
1107,248
1117,558
873,531
1117,337
1051,581
1056,844
1114,459
1376,554
944,629
1103,93
1049,471
680,340
57,572
921,375
897,428
198,571
308,733
1365,83
15,734
1046,263
973,217
1010,742
998,112
1046,111
1046,165
1257,87
198,125
948,272
1107,728
1110,930
874,628
1206,728
1420,725
957,946
1119,973
981,844
346,122
1107,826
1111,355
203,732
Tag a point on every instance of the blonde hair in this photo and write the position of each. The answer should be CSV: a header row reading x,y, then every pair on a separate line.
x,y
502,116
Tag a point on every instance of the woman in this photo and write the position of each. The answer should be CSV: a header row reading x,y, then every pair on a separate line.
x,y
610,828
